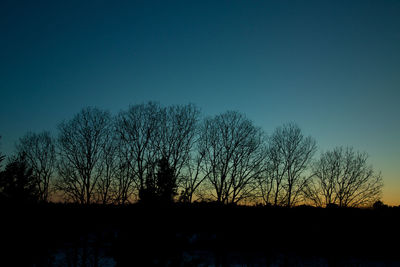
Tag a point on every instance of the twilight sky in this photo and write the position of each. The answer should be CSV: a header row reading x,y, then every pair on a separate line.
x,y
333,67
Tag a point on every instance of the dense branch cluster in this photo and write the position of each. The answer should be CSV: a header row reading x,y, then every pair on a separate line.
x,y
165,154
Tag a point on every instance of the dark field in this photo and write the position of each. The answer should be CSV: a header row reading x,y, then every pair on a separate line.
x,y
198,235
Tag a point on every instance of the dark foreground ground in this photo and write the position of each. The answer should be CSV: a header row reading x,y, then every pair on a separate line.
x,y
198,235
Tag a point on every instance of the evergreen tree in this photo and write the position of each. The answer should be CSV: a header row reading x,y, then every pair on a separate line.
x,y
17,183
166,182
160,188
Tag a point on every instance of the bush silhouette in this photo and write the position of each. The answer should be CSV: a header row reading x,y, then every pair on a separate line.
x,y
379,205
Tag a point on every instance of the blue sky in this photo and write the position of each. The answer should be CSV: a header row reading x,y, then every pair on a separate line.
x,y
331,66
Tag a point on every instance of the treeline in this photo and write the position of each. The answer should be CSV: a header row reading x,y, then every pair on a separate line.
x,y
157,154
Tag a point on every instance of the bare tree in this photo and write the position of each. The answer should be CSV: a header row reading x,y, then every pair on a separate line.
x,y
40,154
138,134
178,131
126,182
178,126
265,184
343,177
148,133
82,142
270,184
106,184
194,175
289,155
233,155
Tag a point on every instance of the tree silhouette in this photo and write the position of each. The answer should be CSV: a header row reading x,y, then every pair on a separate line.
x,y
39,150
82,142
17,183
106,186
166,182
289,155
150,152
343,177
137,132
178,127
148,132
234,156
160,188
194,175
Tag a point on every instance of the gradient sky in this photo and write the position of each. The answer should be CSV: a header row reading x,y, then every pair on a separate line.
x,y
333,67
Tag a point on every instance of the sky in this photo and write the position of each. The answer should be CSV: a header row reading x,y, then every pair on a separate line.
x,y
333,67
